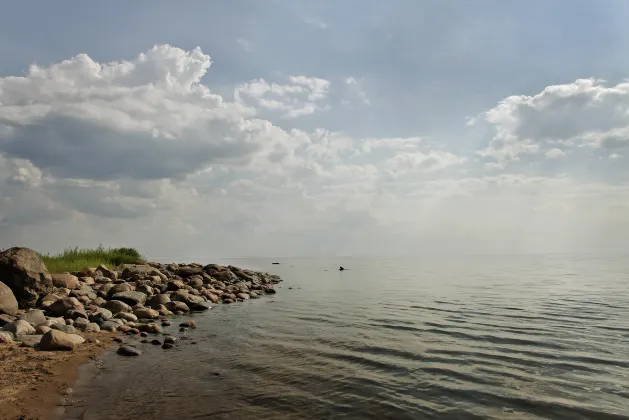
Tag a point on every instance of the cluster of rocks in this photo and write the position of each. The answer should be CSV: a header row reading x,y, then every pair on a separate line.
x,y
48,311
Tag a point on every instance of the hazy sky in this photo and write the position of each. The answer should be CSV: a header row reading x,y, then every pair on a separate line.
x,y
303,128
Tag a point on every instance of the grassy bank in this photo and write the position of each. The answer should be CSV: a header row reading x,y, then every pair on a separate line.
x,y
75,259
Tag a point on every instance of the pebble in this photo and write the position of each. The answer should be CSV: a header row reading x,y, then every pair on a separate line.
x,y
127,350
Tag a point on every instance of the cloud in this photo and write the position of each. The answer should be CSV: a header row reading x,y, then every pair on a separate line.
x,y
300,96
315,22
555,154
584,113
244,44
355,92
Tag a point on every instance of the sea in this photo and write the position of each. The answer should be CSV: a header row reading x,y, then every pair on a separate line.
x,y
434,337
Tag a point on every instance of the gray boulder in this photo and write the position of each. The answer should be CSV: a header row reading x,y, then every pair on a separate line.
x,y
63,305
68,329
58,340
20,327
66,281
131,298
8,302
35,317
23,270
116,306
30,340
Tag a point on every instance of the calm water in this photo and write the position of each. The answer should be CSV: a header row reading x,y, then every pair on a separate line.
x,y
473,337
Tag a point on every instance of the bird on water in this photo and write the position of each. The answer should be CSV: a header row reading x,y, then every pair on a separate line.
x,y
341,268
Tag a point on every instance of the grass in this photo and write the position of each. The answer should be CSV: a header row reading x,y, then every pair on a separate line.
x,y
75,259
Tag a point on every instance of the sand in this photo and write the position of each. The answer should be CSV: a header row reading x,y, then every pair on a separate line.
x,y
33,384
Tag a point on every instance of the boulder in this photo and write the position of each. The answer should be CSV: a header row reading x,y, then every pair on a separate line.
x,y
19,327
131,298
150,328
42,329
126,350
58,340
99,301
186,271
116,306
106,272
61,306
85,292
68,329
6,319
146,313
177,306
35,317
157,300
66,281
102,314
23,270
75,314
29,340
81,323
196,283
200,306
6,337
129,270
109,326
126,316
47,300
8,302
92,327
176,285
120,287
243,296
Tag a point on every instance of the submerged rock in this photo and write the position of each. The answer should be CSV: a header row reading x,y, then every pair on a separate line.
x,y
127,350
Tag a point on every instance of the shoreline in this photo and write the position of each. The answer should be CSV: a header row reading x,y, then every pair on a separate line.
x,y
33,383
67,320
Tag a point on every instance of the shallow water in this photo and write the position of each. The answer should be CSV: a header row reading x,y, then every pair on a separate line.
x,y
474,337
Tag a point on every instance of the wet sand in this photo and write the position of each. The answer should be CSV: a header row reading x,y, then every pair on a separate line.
x,y
35,385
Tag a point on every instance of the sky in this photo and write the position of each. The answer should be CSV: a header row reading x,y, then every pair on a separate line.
x,y
300,128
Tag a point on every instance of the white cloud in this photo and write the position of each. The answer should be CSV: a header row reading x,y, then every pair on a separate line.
x,y
315,22
555,154
300,96
355,91
244,44
585,112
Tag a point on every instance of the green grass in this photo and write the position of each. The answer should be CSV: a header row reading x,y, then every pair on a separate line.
x,y
75,259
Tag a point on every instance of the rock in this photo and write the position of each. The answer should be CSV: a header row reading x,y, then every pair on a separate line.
x,y
48,299
102,314
42,329
76,314
177,306
188,324
188,271
176,285
167,346
69,321
8,302
68,329
61,306
126,316
146,313
109,326
89,280
81,323
151,328
128,270
157,300
228,301
58,340
269,290
169,339
66,280
196,283
165,323
146,289
99,301
31,341
126,350
212,297
163,311
111,274
19,327
84,292
23,271
131,298
6,337
156,342
200,306
119,288
92,327
243,296
116,306
6,319
35,317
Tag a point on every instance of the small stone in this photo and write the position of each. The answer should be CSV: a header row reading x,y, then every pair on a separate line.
x,y
117,339
156,342
169,339
165,323
188,324
109,326
167,346
144,341
143,334
127,350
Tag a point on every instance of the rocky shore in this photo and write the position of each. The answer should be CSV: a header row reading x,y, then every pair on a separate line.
x,y
80,312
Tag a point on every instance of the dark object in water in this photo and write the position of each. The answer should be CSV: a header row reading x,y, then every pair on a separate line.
x,y
341,269
275,263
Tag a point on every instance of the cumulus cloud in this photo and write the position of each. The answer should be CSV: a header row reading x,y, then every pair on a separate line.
x,y
355,92
300,96
586,112
142,152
